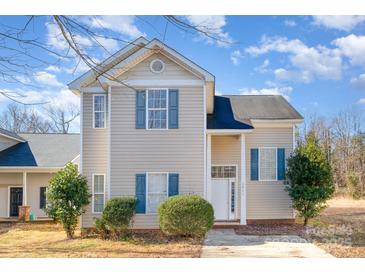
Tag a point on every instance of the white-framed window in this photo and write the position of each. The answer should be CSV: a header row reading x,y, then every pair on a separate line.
x,y
98,193
268,164
157,190
223,171
99,110
157,108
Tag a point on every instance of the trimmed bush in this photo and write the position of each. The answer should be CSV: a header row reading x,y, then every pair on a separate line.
x,y
117,215
186,215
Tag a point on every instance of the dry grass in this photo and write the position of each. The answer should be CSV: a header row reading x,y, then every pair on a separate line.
x,y
345,219
49,240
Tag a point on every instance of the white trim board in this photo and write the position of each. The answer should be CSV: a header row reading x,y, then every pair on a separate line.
x,y
12,138
155,83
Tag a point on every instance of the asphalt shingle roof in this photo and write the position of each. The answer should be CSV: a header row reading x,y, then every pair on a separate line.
x,y
42,150
237,111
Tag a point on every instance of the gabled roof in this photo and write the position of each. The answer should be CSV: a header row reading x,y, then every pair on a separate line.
x,y
238,111
42,150
11,135
90,76
122,62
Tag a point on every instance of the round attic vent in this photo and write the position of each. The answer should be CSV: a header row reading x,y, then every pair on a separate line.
x,y
157,66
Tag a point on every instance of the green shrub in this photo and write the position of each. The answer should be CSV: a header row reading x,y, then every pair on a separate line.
x,y
309,179
117,215
186,215
67,197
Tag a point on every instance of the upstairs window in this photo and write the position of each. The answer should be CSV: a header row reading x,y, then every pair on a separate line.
x,y
157,108
99,106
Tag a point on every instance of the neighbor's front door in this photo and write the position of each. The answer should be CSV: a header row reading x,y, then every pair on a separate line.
x,y
220,198
16,200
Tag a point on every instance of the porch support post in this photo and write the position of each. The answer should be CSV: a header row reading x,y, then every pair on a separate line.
x,y
209,165
25,188
243,216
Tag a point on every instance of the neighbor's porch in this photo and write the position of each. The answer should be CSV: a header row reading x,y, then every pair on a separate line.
x,y
22,187
226,179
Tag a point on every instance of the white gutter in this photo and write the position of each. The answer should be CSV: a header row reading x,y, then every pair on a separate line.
x,y
12,138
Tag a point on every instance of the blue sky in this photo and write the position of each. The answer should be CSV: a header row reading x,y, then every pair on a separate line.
x,y
317,63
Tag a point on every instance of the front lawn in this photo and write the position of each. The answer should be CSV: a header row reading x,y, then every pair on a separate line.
x,y
49,240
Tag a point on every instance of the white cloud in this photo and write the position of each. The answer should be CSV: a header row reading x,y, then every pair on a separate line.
x,y
55,37
121,24
340,22
57,41
214,25
236,57
290,75
46,78
358,82
283,91
361,101
290,23
53,68
307,62
264,67
109,44
62,97
353,47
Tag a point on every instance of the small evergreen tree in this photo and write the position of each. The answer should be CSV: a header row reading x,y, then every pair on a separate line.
x,y
309,179
67,197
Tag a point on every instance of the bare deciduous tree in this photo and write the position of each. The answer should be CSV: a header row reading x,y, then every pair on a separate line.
x,y
62,117
18,118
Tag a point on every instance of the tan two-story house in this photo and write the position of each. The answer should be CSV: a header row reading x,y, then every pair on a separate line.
x,y
152,127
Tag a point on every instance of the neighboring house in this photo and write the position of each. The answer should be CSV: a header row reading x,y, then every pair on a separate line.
x,y
152,127
27,163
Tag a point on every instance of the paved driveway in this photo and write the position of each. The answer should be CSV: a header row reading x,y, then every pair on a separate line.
x,y
221,243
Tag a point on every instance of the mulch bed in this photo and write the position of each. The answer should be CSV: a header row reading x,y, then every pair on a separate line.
x,y
271,229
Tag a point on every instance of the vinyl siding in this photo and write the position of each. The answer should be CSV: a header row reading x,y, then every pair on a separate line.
x,y
6,142
34,182
268,200
172,71
226,150
94,149
174,150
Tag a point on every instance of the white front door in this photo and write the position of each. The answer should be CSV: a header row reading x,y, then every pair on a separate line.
x,y
221,198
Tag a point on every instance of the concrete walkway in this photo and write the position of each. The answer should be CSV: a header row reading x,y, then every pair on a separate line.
x,y
221,243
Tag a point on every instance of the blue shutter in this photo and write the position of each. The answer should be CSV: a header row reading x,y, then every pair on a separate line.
x,y
254,164
173,184
141,193
141,109
173,108
281,163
